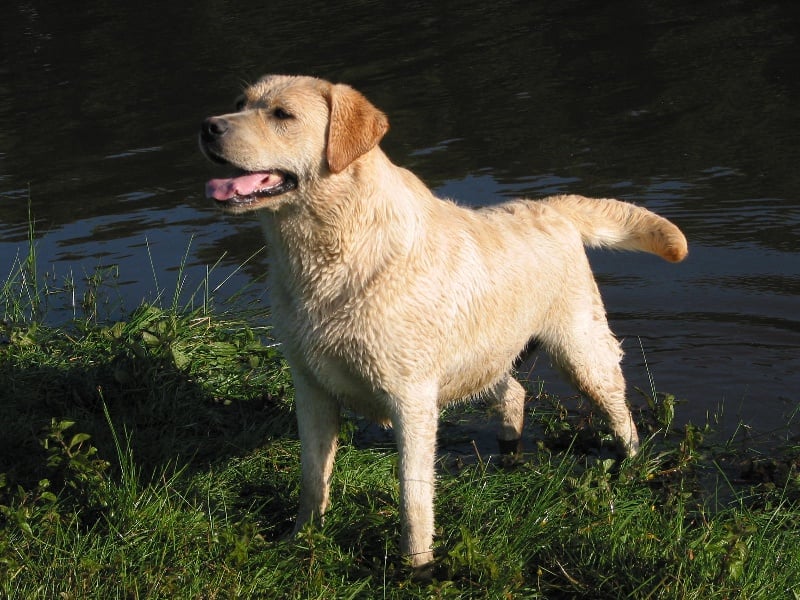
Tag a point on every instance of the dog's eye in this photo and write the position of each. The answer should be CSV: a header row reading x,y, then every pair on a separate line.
x,y
281,114
240,104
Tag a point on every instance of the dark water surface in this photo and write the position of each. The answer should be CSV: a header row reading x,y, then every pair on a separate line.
x,y
689,108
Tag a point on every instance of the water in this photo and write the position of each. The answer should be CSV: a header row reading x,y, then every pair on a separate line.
x,y
690,109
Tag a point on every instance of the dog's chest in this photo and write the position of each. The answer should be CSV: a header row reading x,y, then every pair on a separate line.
x,y
334,346
350,373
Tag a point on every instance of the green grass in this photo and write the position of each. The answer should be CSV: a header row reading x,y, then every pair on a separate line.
x,y
157,458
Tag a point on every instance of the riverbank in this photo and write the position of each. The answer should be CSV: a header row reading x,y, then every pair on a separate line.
x,y
157,457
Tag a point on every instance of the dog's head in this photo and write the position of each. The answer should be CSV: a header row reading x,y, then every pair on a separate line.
x,y
286,134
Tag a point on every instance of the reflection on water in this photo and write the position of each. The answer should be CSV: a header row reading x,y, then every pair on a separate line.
x,y
690,110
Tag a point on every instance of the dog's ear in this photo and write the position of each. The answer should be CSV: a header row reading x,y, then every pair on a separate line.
x,y
355,127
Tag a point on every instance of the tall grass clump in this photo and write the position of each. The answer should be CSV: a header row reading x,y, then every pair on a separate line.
x,y
22,292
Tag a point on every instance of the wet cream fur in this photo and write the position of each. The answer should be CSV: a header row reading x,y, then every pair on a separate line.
x,y
393,302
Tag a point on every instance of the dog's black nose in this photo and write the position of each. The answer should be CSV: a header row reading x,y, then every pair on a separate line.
x,y
213,128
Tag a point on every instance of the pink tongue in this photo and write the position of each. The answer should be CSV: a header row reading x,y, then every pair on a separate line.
x,y
244,185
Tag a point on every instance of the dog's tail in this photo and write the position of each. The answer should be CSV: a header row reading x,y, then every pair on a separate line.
x,y
623,226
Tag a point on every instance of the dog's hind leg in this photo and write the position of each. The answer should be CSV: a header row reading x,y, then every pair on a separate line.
x,y
509,396
584,348
318,425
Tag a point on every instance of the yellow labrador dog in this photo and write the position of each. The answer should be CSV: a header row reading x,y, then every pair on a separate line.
x,y
393,302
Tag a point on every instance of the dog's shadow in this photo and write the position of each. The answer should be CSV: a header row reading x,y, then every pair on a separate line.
x,y
136,404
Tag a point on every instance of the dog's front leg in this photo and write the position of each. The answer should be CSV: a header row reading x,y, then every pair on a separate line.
x,y
415,423
318,425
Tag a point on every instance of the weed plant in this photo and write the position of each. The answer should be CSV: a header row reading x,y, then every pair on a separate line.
x,y
156,457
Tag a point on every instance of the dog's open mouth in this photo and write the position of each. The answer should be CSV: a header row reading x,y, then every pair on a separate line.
x,y
249,187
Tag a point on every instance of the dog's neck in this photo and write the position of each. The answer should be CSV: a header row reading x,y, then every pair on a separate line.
x,y
342,216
